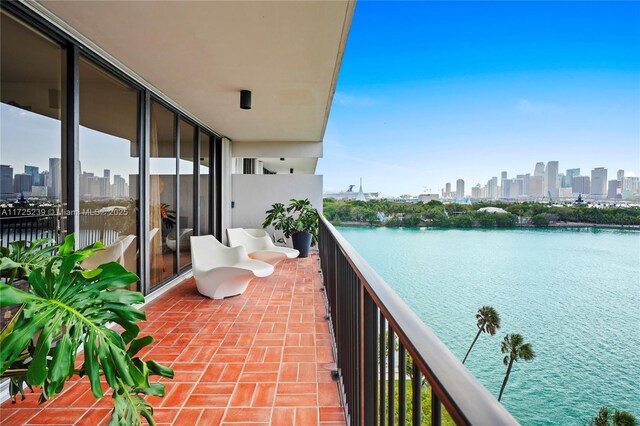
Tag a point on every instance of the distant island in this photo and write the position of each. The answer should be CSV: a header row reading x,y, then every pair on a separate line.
x,y
480,215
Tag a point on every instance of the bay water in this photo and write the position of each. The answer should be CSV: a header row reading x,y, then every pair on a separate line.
x,y
573,293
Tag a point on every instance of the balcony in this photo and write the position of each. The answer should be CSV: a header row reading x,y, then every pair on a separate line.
x,y
291,350
262,357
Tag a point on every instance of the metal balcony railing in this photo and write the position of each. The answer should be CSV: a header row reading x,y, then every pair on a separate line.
x,y
382,347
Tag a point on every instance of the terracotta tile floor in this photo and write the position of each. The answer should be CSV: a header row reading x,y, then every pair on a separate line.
x,y
260,358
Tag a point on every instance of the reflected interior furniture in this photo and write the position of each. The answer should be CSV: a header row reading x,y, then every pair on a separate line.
x,y
184,240
222,271
123,250
259,245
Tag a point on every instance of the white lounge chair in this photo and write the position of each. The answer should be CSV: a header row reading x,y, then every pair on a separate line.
x,y
259,245
222,271
123,250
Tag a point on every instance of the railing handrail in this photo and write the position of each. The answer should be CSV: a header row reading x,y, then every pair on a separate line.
x,y
466,399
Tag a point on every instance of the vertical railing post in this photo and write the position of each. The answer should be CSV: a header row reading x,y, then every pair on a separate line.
x,y
416,396
369,358
436,411
391,349
402,385
381,373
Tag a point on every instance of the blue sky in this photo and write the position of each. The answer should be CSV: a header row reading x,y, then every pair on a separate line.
x,y
430,92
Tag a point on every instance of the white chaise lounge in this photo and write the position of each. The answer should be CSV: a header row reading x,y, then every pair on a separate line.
x,y
222,271
259,245
123,250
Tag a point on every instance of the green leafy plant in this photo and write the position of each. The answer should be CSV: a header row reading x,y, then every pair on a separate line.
x,y
299,216
22,257
69,307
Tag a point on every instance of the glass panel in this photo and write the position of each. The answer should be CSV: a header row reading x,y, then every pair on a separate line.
x,y
109,165
32,98
162,195
187,134
205,196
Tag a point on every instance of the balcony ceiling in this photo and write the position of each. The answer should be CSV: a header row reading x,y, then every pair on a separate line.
x,y
201,54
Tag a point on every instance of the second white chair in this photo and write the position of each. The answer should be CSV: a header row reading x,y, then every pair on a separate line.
x,y
259,245
222,271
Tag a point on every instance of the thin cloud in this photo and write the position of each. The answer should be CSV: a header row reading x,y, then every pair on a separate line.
x,y
525,106
343,99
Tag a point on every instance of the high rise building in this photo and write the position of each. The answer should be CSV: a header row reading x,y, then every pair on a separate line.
x,y
551,178
35,174
476,192
620,174
566,182
612,189
581,185
536,186
460,189
118,189
599,181
492,188
630,187
524,191
447,189
6,179
55,178
22,183
503,177
539,169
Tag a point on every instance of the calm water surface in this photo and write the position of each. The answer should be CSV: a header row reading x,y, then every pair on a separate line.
x,y
573,293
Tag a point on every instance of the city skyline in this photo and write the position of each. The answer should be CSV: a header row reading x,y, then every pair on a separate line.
x,y
549,180
431,91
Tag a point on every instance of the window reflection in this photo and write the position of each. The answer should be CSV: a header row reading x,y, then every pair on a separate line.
x,y
162,195
31,170
187,134
109,166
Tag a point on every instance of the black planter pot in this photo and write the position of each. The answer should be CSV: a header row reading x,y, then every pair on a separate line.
x,y
301,242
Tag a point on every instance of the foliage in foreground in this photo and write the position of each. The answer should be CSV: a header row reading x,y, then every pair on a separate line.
x,y
69,307
617,418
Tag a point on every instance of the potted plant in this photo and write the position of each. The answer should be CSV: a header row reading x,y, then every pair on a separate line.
x,y
298,221
68,307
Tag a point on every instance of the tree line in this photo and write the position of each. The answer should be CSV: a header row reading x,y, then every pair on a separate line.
x,y
436,214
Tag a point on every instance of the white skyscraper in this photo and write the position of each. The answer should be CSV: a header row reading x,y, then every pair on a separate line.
x,y
55,178
599,181
492,188
551,178
460,189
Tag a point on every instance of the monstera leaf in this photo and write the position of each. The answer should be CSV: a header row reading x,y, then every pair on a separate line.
x,y
69,307
23,257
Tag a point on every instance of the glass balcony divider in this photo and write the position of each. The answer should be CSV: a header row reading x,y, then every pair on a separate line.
x,y
381,344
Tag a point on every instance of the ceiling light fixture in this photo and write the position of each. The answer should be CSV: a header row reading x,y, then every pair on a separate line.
x,y
245,99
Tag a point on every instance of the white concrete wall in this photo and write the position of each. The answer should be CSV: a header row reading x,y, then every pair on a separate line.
x,y
253,195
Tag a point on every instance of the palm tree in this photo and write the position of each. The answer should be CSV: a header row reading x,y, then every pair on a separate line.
x,y
488,322
515,349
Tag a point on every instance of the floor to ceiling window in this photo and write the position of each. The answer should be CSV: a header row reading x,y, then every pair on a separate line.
x,y
108,164
32,172
186,202
39,142
162,195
